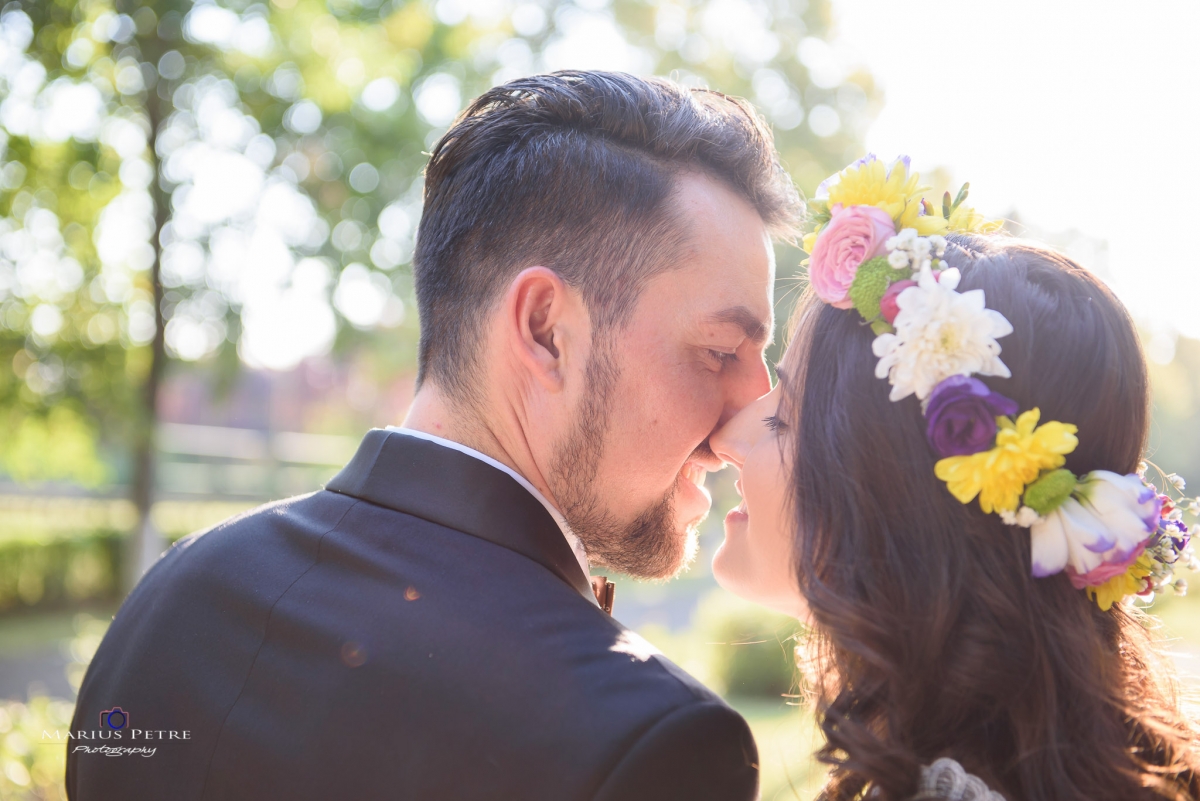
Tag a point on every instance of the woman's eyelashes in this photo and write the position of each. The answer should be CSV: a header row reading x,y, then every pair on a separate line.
x,y
774,423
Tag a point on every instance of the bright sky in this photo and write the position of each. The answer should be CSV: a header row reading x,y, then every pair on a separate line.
x,y
1076,114
1079,115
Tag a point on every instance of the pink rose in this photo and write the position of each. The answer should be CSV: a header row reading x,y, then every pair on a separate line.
x,y
855,234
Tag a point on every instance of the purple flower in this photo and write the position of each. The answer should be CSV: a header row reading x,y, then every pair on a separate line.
x,y
962,415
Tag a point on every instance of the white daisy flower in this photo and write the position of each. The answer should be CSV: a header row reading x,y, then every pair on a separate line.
x,y
939,333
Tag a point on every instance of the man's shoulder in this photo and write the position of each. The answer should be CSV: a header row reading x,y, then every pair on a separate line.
x,y
450,591
314,512
377,618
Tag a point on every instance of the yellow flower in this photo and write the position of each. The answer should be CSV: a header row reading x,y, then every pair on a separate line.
x,y
925,224
967,220
999,476
810,241
868,182
1131,582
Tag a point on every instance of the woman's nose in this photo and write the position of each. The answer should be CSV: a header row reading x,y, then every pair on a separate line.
x,y
732,441
725,446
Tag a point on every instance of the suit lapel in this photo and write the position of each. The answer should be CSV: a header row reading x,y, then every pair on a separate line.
x,y
453,489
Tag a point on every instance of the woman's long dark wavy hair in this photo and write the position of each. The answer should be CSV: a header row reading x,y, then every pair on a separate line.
x,y
930,637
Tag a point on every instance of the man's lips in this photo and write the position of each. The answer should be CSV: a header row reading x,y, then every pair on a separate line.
x,y
694,473
694,500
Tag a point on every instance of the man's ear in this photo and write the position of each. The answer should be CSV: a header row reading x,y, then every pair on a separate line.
x,y
539,315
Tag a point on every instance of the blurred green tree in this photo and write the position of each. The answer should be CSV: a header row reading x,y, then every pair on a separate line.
x,y
237,182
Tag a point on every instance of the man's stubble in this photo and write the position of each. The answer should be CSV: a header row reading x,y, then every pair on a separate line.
x,y
649,546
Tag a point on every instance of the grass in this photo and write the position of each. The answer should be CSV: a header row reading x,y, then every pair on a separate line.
x,y
786,737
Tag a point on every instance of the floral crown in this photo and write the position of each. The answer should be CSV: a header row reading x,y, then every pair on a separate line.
x,y
878,247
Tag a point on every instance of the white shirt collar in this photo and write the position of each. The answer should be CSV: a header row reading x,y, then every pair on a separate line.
x,y
572,540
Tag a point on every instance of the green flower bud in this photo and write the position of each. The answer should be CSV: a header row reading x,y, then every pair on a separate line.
x,y
870,282
1048,492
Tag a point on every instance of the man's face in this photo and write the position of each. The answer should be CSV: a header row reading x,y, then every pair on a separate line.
x,y
629,476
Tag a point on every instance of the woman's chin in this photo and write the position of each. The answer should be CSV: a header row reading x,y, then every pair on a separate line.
x,y
738,571
728,566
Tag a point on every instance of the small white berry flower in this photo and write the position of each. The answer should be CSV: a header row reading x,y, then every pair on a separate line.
x,y
1027,517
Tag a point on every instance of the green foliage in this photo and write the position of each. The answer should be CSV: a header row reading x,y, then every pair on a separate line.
x,y
58,445
881,326
83,338
818,214
63,552
737,648
1175,433
871,282
1048,492
30,771
44,573
32,766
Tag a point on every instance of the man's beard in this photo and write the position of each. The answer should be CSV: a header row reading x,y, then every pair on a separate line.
x,y
648,547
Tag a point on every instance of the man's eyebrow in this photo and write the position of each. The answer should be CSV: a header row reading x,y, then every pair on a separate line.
x,y
755,329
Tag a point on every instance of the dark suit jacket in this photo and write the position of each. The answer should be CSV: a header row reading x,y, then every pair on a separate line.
x,y
419,629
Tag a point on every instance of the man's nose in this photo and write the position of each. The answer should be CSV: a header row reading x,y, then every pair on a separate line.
x,y
749,387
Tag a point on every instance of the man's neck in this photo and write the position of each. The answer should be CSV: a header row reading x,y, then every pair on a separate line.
x,y
433,413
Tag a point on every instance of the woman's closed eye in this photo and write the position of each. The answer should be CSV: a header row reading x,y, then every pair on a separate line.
x,y
774,423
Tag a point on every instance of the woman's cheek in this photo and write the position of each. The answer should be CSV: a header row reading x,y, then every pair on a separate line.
x,y
764,479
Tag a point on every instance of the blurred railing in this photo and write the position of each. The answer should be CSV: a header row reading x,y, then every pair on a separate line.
x,y
217,463
235,463
60,543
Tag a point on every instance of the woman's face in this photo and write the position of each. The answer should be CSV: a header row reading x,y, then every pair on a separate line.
x,y
755,560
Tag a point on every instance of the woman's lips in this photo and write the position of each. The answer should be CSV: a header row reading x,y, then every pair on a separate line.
x,y
738,512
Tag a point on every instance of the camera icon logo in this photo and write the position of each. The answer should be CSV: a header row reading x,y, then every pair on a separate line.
x,y
115,718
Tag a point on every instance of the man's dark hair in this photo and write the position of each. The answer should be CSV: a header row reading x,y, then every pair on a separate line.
x,y
573,171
